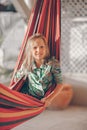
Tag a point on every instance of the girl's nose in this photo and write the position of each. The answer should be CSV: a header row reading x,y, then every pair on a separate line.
x,y
38,49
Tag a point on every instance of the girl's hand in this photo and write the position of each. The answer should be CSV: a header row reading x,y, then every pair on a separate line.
x,y
43,100
46,101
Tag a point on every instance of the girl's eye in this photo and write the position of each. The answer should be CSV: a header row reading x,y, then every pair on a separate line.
x,y
41,46
35,48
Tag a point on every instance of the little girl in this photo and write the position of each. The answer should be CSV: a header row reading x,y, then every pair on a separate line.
x,y
43,72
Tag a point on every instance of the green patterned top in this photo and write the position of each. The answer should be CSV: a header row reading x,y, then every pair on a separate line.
x,y
40,79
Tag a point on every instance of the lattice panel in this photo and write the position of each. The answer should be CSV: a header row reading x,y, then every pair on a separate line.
x,y
74,36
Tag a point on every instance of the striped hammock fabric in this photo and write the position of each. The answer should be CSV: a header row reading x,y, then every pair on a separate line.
x,y
16,107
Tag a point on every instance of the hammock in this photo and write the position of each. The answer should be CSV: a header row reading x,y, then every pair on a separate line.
x,y
16,107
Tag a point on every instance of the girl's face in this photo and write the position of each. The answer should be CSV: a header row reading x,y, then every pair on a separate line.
x,y
39,50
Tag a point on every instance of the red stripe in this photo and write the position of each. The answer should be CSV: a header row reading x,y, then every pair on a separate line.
x,y
26,99
15,111
42,17
57,36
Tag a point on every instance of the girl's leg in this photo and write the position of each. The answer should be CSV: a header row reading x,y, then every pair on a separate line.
x,y
63,98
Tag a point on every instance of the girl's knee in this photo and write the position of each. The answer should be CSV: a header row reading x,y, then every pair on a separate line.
x,y
67,88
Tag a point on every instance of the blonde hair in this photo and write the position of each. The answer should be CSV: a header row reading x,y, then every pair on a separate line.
x,y
28,55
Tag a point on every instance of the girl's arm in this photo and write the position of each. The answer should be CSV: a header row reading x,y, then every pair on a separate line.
x,y
57,76
53,94
19,74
